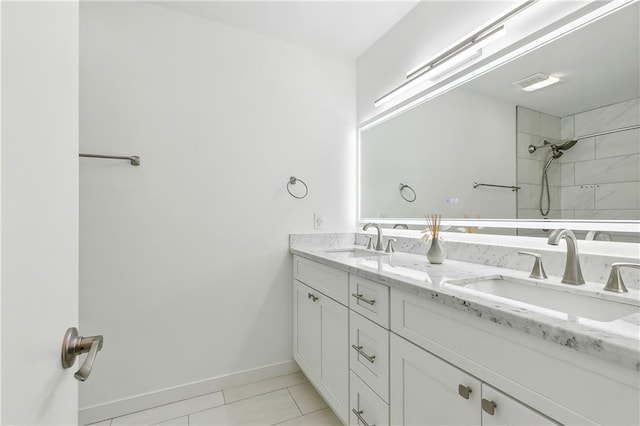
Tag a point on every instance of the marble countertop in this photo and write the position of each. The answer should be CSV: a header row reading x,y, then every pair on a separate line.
x,y
617,341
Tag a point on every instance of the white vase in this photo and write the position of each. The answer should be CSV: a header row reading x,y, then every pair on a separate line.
x,y
435,254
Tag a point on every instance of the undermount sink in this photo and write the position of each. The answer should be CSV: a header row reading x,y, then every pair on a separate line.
x,y
356,252
572,304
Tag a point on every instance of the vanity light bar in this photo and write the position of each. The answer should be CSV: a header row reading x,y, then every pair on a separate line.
x,y
451,55
485,35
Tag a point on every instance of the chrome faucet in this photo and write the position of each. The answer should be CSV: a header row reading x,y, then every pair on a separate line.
x,y
615,283
379,243
572,272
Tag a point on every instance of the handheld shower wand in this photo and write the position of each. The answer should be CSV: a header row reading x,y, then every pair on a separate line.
x,y
557,150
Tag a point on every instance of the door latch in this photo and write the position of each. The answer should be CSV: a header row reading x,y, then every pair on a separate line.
x,y
73,345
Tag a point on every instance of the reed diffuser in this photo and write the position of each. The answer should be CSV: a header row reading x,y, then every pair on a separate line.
x,y
435,254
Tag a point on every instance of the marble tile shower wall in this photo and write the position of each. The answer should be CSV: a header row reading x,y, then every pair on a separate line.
x,y
600,176
597,179
594,267
534,128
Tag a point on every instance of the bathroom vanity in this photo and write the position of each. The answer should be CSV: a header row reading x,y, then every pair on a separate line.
x,y
392,339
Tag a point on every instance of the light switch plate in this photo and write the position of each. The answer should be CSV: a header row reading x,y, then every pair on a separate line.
x,y
318,221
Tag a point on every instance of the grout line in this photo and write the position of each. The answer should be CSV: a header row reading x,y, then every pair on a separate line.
x,y
295,402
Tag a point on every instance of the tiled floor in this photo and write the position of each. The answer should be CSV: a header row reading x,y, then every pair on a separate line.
x,y
285,400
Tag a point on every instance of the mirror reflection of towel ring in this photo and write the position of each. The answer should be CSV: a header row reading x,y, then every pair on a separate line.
x,y
292,181
409,199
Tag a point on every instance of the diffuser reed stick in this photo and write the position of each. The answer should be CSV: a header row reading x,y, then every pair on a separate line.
x,y
433,226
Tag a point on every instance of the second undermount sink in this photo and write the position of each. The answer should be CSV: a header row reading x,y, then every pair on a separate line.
x,y
356,252
572,304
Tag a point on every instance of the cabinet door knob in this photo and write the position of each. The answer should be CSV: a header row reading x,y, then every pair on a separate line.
x,y
488,406
312,296
464,391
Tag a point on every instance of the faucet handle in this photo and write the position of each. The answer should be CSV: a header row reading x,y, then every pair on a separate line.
x,y
538,270
369,243
615,283
390,248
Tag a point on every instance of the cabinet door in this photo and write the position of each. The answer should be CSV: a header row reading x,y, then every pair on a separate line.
x,y
306,329
428,391
334,358
500,409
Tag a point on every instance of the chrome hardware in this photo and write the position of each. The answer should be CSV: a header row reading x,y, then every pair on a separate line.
x,y
133,159
359,416
379,243
615,283
400,226
73,345
538,269
411,195
359,297
511,187
572,272
370,358
488,407
369,242
292,181
312,296
464,391
390,248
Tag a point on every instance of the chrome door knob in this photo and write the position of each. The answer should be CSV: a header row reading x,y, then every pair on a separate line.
x,y
74,345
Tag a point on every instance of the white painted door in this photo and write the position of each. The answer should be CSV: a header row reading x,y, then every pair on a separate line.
x,y
425,390
39,210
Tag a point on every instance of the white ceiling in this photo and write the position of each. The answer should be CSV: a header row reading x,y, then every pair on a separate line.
x,y
599,64
341,28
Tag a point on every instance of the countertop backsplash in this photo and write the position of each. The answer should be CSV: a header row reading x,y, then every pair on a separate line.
x,y
595,268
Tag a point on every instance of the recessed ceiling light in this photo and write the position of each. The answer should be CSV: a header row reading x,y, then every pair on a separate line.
x,y
537,81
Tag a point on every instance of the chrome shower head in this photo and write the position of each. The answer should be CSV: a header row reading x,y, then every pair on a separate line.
x,y
567,145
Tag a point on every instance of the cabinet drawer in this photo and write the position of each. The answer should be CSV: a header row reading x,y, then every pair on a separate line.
x,y
369,348
369,299
366,404
332,282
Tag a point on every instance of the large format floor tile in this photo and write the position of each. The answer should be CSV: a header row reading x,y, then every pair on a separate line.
x,y
317,418
307,398
170,411
180,421
264,386
267,409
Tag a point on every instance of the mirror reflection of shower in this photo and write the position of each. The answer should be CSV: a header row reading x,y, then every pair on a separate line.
x,y
556,152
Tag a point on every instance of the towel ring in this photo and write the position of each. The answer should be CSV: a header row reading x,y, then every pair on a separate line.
x,y
292,181
410,199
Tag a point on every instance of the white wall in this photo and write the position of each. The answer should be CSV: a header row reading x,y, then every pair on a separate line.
x,y
440,148
184,264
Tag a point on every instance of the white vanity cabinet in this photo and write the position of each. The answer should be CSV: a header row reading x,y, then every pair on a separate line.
x,y
403,356
426,390
321,333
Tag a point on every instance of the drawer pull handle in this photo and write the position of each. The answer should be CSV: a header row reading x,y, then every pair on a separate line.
x,y
464,391
359,297
370,358
359,416
489,406
312,297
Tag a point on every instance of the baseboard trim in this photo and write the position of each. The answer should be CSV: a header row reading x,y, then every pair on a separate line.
x,y
145,401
